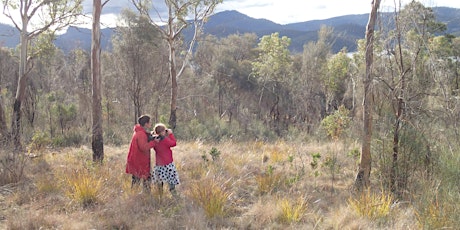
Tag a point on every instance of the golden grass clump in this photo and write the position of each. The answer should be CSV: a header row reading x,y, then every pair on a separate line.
x,y
211,195
292,211
84,187
371,205
435,216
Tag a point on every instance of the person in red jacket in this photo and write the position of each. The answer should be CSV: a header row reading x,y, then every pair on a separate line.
x,y
138,161
165,170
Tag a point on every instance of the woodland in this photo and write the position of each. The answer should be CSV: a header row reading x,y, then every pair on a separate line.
x,y
267,139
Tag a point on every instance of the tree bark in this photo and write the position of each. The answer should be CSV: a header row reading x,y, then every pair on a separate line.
x,y
3,128
21,88
364,171
97,138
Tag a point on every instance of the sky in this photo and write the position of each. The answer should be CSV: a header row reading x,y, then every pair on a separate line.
x,y
278,11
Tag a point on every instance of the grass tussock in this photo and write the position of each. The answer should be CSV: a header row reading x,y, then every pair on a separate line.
x,y
84,187
372,205
293,210
211,195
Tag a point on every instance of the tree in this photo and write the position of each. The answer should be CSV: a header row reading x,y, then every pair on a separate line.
x,y
36,17
307,88
415,26
178,11
364,170
225,65
336,79
8,71
97,143
272,69
139,64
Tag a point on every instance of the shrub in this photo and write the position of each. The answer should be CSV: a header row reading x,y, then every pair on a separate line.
x,y
12,167
215,153
39,141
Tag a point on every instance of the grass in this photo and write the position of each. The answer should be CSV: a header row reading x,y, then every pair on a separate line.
x,y
372,205
239,189
293,211
211,195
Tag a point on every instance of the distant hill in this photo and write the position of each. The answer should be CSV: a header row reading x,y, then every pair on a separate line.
x,y
9,36
349,29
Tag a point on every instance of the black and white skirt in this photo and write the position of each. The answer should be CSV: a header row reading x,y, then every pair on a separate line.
x,y
166,173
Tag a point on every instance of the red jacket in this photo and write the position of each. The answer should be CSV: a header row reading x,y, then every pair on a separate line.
x,y
163,152
138,162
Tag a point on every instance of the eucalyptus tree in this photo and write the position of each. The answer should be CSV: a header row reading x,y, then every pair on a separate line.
x,y
226,64
97,141
272,69
444,61
138,60
337,79
34,18
309,93
172,28
364,170
7,73
405,85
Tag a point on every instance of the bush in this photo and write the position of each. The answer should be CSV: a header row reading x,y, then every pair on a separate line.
x,y
39,141
12,167
67,140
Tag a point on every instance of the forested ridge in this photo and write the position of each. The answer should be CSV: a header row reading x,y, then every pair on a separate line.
x,y
291,122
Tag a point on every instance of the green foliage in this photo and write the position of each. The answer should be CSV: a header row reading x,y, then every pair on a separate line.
x,y
215,153
39,141
336,124
439,205
354,153
43,46
315,159
216,129
113,137
274,58
315,163
337,72
68,139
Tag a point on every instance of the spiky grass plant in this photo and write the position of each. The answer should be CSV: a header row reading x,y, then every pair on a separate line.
x,y
372,205
211,195
292,211
84,187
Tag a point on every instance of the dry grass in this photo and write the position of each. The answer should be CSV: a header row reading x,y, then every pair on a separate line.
x,y
251,185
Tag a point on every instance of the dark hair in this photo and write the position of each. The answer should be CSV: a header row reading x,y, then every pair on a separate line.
x,y
144,119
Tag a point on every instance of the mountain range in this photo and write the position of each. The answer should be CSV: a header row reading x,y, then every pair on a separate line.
x,y
348,29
